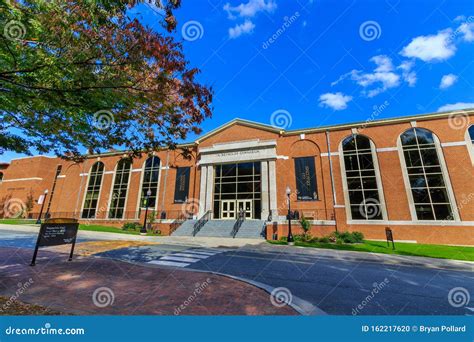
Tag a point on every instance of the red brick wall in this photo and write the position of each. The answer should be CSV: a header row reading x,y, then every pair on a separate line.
x,y
69,194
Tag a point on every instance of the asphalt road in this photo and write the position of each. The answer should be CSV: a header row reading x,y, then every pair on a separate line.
x,y
337,282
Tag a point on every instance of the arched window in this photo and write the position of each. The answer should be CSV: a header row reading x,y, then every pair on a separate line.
x,y
471,134
93,190
425,175
151,174
119,190
362,179
1,177
470,142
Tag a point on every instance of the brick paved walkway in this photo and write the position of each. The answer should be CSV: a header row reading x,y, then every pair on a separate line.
x,y
125,289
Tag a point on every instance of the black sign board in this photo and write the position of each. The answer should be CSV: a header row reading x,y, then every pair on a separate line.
x,y
182,184
389,235
56,232
305,179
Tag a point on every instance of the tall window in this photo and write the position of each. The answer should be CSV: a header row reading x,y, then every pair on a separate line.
x,y
1,177
93,189
471,134
427,182
361,180
150,181
119,191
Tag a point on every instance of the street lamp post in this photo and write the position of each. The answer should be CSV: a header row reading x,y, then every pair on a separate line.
x,y
143,230
38,221
290,235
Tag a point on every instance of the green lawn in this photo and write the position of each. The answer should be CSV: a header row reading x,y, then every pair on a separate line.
x,y
90,227
108,229
410,249
17,221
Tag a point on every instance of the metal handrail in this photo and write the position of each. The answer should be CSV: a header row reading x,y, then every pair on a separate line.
x,y
238,223
201,222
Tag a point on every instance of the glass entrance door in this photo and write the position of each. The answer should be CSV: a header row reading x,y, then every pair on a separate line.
x,y
245,205
228,210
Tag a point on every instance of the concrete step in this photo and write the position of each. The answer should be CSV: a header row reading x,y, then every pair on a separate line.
x,y
251,229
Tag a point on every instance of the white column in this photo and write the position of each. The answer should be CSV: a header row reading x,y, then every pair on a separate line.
x,y
273,189
209,187
265,202
202,190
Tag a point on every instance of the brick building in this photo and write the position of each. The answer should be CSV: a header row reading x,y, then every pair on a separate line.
x,y
413,174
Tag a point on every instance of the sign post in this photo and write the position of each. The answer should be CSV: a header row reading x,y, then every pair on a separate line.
x,y
389,235
54,232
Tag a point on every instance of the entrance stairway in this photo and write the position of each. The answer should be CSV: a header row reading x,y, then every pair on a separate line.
x,y
249,229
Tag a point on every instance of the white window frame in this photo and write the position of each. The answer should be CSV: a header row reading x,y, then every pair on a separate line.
x,y
100,190
444,171
470,144
141,185
378,178
112,191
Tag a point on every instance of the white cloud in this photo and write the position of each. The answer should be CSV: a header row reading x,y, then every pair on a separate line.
x,y
467,30
336,101
249,9
240,29
432,48
408,75
382,78
447,81
455,106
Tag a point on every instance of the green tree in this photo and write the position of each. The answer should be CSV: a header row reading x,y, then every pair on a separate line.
x,y
78,74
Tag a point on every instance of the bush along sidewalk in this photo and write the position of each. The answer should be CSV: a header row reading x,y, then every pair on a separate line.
x,y
354,241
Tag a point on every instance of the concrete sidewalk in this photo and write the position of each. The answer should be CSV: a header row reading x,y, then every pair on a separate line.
x,y
169,240
99,286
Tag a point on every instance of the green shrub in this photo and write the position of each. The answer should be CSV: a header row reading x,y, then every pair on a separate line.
x,y
134,226
358,237
324,239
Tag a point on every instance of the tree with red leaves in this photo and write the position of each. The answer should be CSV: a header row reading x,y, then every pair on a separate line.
x,y
81,74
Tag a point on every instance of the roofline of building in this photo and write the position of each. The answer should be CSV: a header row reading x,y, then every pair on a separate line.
x,y
283,132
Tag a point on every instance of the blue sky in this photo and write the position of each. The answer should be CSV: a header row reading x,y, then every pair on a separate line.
x,y
305,63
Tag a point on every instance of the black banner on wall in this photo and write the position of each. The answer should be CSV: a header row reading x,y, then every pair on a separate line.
x,y
182,184
305,179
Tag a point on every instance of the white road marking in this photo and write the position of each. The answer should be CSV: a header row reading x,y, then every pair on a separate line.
x,y
178,258
168,263
191,255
